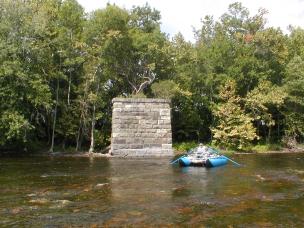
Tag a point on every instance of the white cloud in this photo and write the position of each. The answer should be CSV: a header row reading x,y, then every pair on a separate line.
x,y
180,16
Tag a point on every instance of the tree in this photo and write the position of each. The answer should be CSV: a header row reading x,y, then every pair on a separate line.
x,y
24,93
272,52
296,42
234,127
264,102
294,84
149,57
72,57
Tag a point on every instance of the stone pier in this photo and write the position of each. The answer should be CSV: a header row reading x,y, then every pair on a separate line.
x,y
141,127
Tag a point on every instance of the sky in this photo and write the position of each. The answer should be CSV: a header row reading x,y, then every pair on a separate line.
x,y
182,16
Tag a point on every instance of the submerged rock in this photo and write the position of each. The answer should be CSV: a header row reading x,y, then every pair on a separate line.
x,y
298,171
206,204
16,210
135,213
260,178
87,189
101,185
31,195
60,204
40,201
33,208
63,202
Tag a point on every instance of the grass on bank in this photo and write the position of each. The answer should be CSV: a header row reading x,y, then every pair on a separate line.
x,y
183,147
262,148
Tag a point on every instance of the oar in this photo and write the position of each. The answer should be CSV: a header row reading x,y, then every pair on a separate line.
x,y
189,152
177,159
217,152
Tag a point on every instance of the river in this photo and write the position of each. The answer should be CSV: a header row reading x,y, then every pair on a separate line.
x,y
268,191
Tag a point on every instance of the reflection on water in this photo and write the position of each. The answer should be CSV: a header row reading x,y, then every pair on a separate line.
x,y
267,192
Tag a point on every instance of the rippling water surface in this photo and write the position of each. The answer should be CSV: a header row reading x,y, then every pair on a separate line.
x,y
40,191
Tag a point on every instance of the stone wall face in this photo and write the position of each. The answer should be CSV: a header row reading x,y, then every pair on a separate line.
x,y
141,127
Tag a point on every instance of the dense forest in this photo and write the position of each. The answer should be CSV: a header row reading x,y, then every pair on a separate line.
x,y
240,83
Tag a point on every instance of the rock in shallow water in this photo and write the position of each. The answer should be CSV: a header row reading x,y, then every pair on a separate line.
x,y
31,195
63,202
39,201
60,203
101,185
16,210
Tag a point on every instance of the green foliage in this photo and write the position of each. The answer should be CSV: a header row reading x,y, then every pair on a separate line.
x,y
60,68
13,127
234,128
138,95
260,148
294,84
183,147
264,103
145,18
166,89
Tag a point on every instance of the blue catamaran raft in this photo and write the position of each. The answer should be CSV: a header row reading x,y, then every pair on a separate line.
x,y
203,156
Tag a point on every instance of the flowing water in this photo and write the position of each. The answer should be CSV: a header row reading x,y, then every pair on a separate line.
x,y
63,192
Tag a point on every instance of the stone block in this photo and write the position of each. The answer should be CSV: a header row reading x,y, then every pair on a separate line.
x,y
166,126
136,146
164,117
155,146
164,112
116,110
151,130
118,141
167,146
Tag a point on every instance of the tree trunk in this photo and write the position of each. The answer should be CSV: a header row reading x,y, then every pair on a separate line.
x,y
91,150
63,143
78,137
55,117
82,117
278,128
81,139
269,135
69,88
48,129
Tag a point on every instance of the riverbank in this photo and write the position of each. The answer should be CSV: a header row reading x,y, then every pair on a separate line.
x,y
178,149
176,153
181,148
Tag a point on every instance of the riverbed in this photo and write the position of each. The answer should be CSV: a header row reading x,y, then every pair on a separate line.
x,y
268,191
